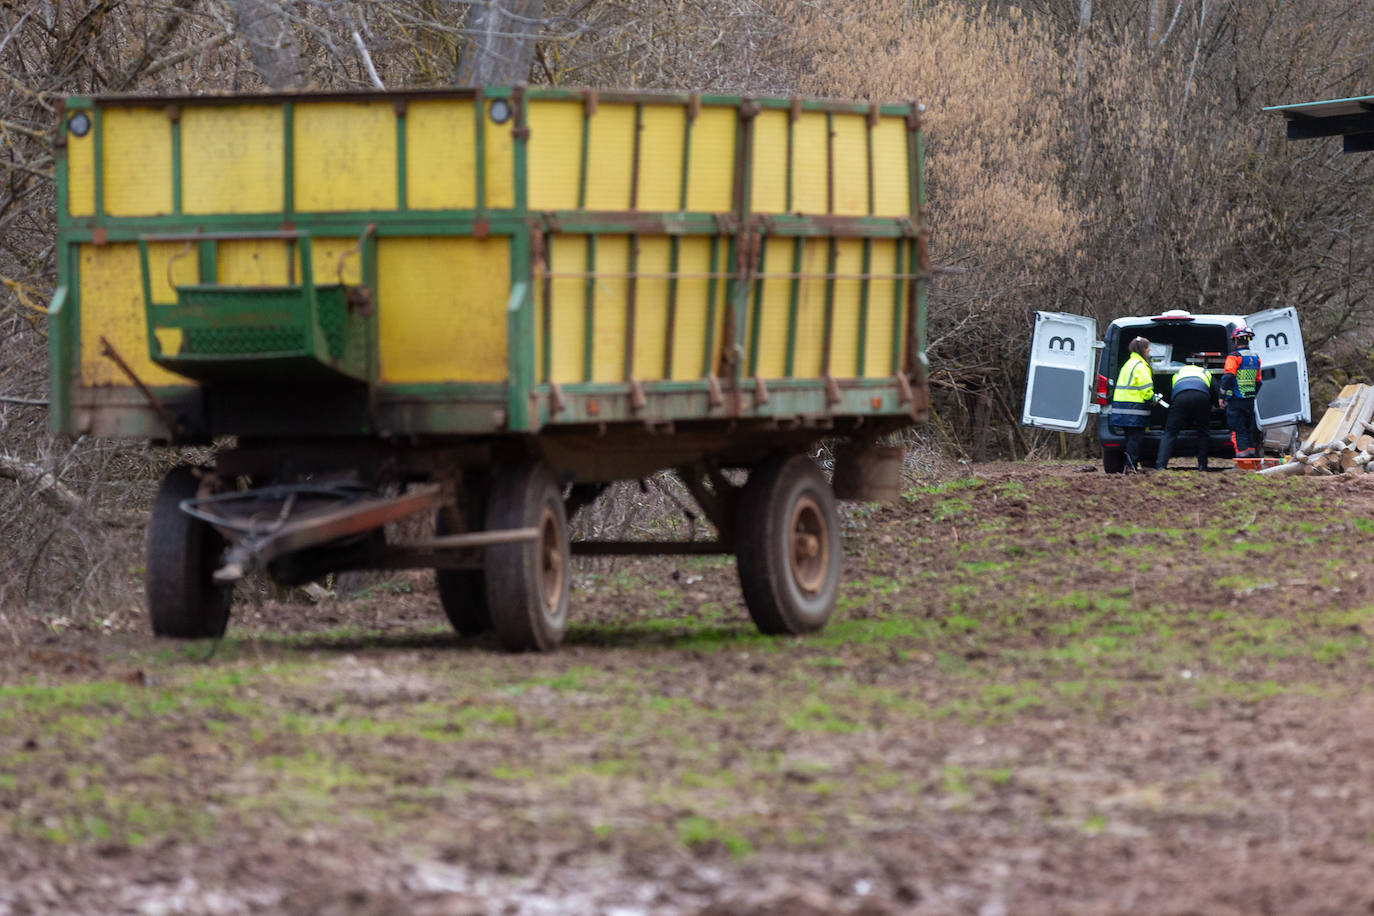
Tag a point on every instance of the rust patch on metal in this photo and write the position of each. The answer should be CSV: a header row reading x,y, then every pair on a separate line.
x,y
589,103
694,106
795,108
637,399
760,391
99,236
557,403
480,228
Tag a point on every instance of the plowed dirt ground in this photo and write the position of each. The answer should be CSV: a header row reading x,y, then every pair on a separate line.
x,y
1045,691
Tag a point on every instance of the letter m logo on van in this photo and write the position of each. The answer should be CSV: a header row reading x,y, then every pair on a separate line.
x,y
1059,377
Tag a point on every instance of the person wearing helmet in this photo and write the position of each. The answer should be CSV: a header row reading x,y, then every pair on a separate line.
x,y
1132,399
1240,383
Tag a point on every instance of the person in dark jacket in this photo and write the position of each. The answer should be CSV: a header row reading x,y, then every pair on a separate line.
x,y
1190,405
1132,400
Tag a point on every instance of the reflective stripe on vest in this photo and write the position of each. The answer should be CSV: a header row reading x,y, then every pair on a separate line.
x,y
1248,373
1192,378
1134,385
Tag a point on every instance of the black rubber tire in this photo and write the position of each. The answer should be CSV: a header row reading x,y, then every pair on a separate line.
x,y
1113,461
462,593
527,583
184,602
788,542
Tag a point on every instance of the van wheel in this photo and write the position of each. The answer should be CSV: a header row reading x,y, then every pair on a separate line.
x,y
788,541
184,601
1113,461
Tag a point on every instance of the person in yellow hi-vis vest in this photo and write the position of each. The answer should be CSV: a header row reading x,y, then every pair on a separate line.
x,y
1190,405
1132,399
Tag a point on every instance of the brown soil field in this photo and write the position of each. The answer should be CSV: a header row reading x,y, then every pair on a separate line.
x,y
1045,690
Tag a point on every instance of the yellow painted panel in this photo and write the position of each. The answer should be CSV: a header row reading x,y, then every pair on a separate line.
x,y
500,163
232,159
711,162
111,286
609,312
441,309
881,293
851,164
891,180
809,137
81,173
651,307
136,144
254,262
567,321
555,154
807,360
610,157
694,322
660,157
774,303
441,157
844,337
768,189
345,156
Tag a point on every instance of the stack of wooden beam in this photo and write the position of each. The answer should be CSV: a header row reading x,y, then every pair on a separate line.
x,y
1343,442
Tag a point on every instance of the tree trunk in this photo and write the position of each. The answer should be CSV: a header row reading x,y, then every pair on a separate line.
x,y
502,41
271,43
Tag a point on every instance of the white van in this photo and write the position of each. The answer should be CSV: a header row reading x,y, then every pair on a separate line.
x,y
1072,373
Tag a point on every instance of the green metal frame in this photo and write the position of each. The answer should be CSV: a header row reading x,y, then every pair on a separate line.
x,y
738,252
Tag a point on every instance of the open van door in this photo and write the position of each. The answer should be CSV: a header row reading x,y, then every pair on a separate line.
x,y
1059,378
1283,398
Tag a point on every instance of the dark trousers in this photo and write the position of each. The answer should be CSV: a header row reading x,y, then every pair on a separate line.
x,y
1135,437
1193,410
1240,416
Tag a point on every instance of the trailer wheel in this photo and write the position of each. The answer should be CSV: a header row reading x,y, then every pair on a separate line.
x,y
183,552
1113,460
788,546
527,583
462,593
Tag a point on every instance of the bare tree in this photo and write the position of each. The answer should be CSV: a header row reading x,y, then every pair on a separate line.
x,y
503,34
271,42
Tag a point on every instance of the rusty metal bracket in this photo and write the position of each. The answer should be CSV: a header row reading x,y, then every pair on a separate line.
x,y
760,391
109,352
637,399
714,396
903,389
832,391
356,249
557,403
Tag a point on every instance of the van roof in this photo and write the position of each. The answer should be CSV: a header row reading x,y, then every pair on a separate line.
x,y
1178,316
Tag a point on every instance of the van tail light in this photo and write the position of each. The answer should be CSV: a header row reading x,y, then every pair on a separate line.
x,y
1101,398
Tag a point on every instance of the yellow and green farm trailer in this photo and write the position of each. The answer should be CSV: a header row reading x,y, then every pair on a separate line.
x,y
488,304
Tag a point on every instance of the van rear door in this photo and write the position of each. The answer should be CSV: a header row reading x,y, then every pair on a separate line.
x,y
1283,397
1059,378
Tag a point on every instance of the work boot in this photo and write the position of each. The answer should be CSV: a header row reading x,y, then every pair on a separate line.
x,y
1246,453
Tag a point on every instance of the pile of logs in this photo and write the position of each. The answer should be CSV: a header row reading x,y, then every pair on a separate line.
x,y
1343,442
